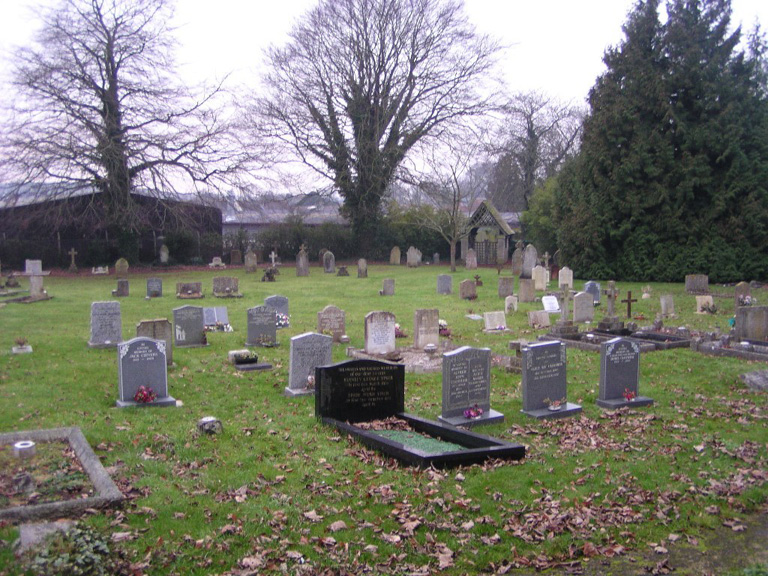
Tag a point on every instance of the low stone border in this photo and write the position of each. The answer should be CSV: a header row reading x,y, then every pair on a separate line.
x,y
107,493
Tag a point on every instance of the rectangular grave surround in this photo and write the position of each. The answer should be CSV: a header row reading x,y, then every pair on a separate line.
x,y
366,390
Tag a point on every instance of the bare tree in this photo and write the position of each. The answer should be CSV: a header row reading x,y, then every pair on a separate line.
x,y
538,134
361,82
98,112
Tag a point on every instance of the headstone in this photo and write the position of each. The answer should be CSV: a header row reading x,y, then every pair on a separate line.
x,y
226,287
471,260
742,295
302,263
279,303
445,284
394,256
359,390
526,291
329,262
215,316
236,258
495,321
751,323
667,306
362,268
154,287
595,289
425,328
517,260
159,329
121,268
550,304
510,304
538,319
189,327
467,386
530,258
122,288
467,290
413,257
216,263
565,278
379,332
388,287
646,292
106,325
142,362
189,290
251,261
72,264
308,351
436,259
697,283
506,286
332,321
262,329
704,304
36,290
33,267
539,274
620,375
545,387
164,254
342,271
583,307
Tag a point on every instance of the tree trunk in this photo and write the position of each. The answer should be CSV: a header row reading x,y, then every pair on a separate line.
x,y
453,256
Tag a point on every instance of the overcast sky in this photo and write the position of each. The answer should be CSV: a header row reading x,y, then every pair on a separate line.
x,y
555,46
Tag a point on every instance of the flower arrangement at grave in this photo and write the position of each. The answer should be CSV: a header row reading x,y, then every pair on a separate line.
x,y
629,395
265,341
443,329
478,282
218,327
144,395
746,300
399,333
555,405
310,382
21,341
709,308
246,357
282,320
473,413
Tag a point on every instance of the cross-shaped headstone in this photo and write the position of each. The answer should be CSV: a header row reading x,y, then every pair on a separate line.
x,y
273,257
72,252
611,294
565,304
628,302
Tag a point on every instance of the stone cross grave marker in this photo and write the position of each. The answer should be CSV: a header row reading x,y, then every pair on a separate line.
x,y
425,328
629,301
106,325
379,332
611,293
583,307
362,268
262,329
302,263
36,290
158,329
154,287
444,284
467,290
273,257
506,286
565,305
72,266
388,287
595,290
142,362
308,351
620,375
467,386
332,321
545,387
189,327
329,262
495,321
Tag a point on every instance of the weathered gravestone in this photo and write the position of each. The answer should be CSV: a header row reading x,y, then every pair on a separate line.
x,y
545,387
583,307
164,255
467,290
506,286
329,262
540,279
72,264
467,388
436,259
751,323
33,267
142,362
550,303
444,284
122,290
697,283
704,304
517,259
342,271
251,262
742,295
308,351
667,305
394,256
302,263
216,318
262,329
495,321
526,291
154,287
189,290
236,258
510,304
36,290
530,258
565,278
425,328
121,268
106,325
226,287
538,319
216,262
332,321
610,322
280,304
595,290
362,268
379,332
158,329
413,258
189,327
387,287
470,260
620,375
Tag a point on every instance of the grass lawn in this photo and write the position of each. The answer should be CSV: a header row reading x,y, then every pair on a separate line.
x,y
277,491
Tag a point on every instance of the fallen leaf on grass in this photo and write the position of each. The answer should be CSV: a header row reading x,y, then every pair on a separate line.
x,y
312,516
338,525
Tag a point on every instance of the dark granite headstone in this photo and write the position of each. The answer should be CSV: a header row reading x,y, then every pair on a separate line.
x,y
106,325
279,303
308,351
467,385
154,287
332,321
595,289
359,390
620,375
544,381
214,316
189,327
261,326
141,362
444,284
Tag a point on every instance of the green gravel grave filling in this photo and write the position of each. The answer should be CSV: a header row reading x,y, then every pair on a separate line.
x,y
419,441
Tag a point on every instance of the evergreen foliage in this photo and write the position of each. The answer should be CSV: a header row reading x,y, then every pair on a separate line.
x,y
672,177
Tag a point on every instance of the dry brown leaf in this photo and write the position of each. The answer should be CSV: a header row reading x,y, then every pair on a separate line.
x,y
337,526
312,516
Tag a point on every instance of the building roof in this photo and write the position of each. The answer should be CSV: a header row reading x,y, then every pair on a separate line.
x,y
487,215
312,209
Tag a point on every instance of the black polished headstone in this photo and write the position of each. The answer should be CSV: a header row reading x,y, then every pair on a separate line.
x,y
188,327
544,381
620,375
261,326
467,384
141,362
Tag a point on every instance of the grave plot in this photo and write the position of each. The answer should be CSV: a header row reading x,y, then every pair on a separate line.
x,y
366,400
749,340
591,341
662,340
